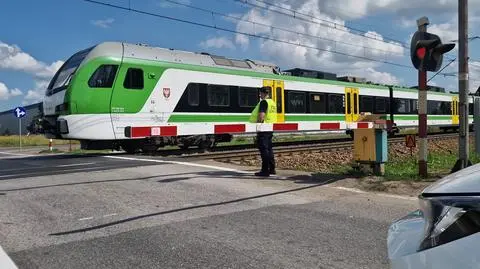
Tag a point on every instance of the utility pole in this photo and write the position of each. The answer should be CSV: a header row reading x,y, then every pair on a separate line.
x,y
422,109
463,145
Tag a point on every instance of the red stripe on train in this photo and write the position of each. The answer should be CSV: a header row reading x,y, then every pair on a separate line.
x,y
285,126
362,125
140,131
153,131
229,128
330,126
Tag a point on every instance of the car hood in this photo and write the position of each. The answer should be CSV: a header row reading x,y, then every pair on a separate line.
x,y
464,181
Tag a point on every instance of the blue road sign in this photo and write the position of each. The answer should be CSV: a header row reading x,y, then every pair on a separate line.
x,y
19,112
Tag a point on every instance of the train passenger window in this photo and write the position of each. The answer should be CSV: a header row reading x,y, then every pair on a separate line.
x,y
471,110
134,79
103,77
247,97
335,103
381,105
414,107
366,104
218,95
296,102
446,108
317,103
402,106
434,107
193,94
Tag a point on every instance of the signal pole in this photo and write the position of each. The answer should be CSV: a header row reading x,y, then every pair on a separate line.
x,y
463,145
422,109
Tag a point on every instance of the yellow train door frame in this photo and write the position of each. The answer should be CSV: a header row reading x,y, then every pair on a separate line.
x,y
352,104
455,118
277,92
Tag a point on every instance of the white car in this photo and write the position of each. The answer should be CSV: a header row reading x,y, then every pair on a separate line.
x,y
444,233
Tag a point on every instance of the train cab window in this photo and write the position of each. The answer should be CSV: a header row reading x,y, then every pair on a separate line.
x,y
471,110
134,79
366,104
317,103
335,103
247,97
103,77
218,95
193,94
296,102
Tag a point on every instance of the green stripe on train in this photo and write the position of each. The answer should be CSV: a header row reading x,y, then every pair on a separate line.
x,y
288,118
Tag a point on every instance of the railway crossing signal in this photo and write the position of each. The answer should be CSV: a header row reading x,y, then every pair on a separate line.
x,y
426,51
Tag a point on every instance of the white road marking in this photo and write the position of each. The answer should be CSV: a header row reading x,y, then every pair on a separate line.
x,y
74,164
87,218
11,153
109,215
65,170
180,163
5,261
350,189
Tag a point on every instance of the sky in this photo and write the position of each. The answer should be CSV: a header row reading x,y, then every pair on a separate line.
x,y
363,38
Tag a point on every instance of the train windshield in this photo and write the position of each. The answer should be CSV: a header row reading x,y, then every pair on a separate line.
x,y
64,74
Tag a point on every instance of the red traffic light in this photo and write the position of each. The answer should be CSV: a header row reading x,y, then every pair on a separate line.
x,y
421,52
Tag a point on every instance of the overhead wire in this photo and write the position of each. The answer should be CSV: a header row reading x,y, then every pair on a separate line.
x,y
130,9
326,23
209,11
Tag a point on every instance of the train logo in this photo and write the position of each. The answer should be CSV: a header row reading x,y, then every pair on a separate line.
x,y
166,92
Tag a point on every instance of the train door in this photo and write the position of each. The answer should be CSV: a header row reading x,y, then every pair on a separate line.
x,y
276,91
455,110
352,104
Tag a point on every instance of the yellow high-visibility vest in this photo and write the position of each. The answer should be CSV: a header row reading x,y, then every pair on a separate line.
x,y
270,116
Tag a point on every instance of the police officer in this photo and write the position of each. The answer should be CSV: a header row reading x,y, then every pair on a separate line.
x,y
265,112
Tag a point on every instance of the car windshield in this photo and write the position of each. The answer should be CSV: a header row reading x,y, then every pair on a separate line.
x,y
63,76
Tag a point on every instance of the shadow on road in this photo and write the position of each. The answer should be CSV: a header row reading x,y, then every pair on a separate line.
x,y
319,183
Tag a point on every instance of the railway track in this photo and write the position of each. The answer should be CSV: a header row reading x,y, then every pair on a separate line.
x,y
281,148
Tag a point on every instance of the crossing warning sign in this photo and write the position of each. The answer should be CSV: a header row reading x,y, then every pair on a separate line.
x,y
410,141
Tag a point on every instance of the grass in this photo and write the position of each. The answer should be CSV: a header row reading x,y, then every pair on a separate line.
x,y
439,164
31,140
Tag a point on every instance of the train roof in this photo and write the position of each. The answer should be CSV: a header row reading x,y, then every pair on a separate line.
x,y
145,52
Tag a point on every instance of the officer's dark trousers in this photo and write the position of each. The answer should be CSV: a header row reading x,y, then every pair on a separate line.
x,y
264,140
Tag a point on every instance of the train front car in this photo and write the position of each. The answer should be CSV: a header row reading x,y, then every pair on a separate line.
x,y
77,101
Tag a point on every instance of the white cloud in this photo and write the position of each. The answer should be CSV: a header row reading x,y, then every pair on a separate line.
x,y
217,42
308,36
107,23
37,93
13,58
6,93
446,31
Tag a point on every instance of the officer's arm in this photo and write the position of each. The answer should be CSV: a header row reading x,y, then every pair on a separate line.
x,y
261,111
261,117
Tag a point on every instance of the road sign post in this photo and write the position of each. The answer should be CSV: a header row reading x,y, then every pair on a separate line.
x,y
19,113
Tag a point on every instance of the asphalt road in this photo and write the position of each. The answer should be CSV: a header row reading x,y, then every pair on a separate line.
x,y
130,213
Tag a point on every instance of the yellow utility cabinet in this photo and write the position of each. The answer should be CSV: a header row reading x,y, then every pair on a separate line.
x,y
371,148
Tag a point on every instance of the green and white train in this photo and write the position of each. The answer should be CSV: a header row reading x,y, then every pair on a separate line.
x,y
139,97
